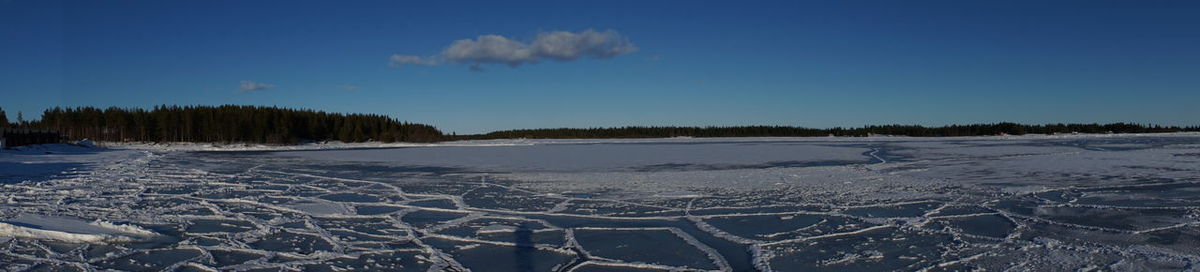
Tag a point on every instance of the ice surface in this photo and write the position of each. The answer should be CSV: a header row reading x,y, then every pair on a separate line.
x,y
71,230
604,157
1073,202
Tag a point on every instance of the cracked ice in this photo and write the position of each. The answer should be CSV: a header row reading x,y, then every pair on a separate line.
x,y
1129,202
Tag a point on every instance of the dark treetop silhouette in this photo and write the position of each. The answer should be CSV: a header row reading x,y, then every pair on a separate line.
x,y
256,124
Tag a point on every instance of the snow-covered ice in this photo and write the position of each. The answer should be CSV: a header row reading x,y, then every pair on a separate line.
x,y
71,230
1063,202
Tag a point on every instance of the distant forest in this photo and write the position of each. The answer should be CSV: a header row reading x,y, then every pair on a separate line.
x,y
227,124
786,131
273,125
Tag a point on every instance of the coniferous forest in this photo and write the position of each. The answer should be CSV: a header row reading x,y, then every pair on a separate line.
x,y
228,124
274,125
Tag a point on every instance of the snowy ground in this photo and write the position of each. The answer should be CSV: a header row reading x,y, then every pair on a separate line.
x,y
1128,202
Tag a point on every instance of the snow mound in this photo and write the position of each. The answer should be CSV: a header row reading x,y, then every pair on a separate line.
x,y
71,230
86,143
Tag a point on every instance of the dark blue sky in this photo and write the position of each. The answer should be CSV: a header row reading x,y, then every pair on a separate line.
x,y
818,64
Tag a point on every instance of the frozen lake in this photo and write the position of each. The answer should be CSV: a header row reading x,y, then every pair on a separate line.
x,y
1045,203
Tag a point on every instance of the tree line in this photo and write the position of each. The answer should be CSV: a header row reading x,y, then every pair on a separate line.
x,y
790,131
274,125
228,124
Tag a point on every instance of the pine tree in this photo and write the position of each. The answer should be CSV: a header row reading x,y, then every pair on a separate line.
x,y
3,119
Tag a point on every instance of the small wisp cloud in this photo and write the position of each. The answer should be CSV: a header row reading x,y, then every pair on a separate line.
x,y
250,86
554,45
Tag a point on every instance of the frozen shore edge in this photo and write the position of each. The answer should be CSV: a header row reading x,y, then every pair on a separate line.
x,y
335,145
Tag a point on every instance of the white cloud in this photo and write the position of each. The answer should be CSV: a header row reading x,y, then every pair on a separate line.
x,y
401,60
249,86
348,88
555,45
489,49
567,46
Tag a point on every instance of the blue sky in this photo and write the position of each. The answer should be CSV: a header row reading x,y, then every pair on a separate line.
x,y
816,64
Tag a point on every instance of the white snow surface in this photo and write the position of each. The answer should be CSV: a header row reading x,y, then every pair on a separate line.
x,y
1034,202
333,145
597,157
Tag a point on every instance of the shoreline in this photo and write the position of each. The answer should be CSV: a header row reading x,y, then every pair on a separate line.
x,y
335,145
